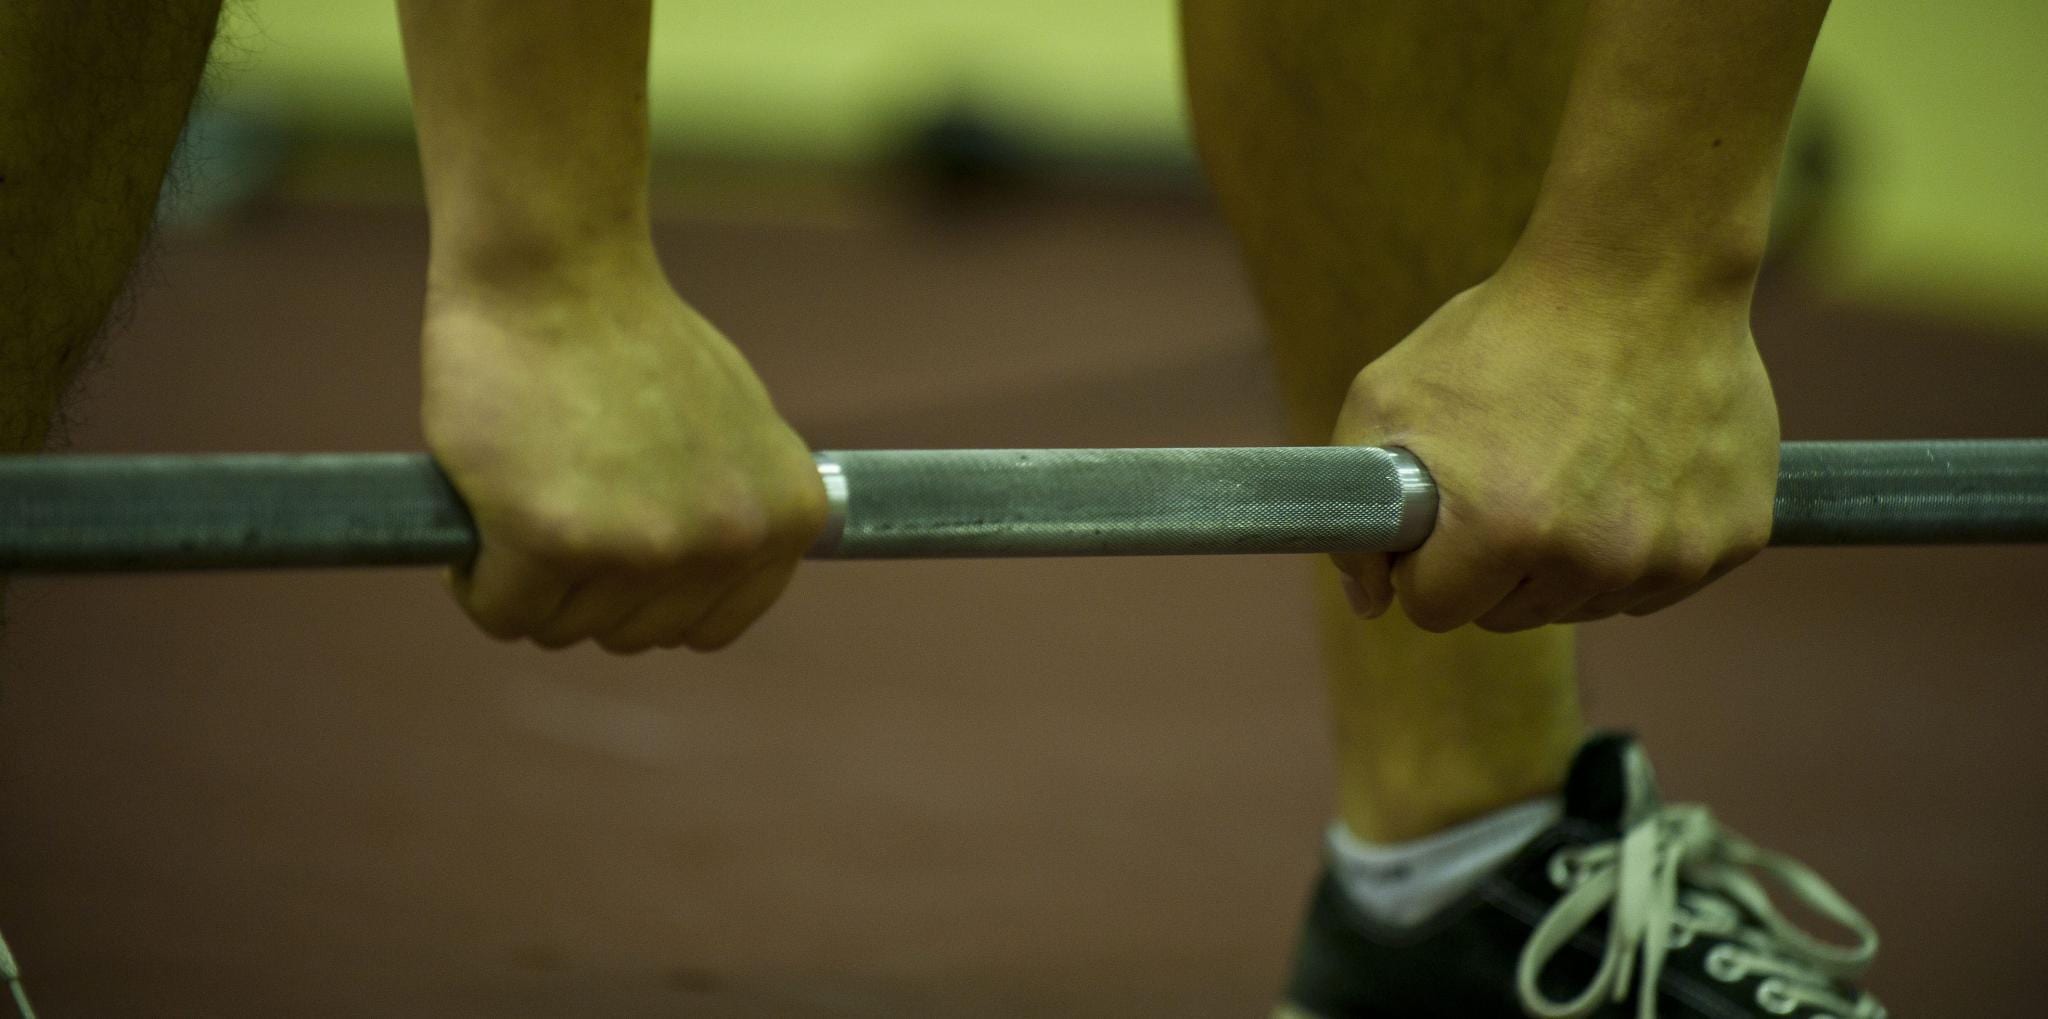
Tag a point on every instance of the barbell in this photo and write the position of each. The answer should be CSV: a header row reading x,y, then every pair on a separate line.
x,y
99,512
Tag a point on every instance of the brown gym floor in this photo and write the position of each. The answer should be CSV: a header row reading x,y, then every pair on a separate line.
x,y
1024,788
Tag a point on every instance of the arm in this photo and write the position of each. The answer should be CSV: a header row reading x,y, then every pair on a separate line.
x,y
1667,158
630,478
1596,412
532,123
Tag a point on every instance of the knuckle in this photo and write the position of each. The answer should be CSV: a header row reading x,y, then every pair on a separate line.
x,y
643,544
1682,564
1614,560
655,544
1752,539
803,514
1694,566
1431,617
787,524
651,544
548,531
647,539
555,535
1612,572
729,535
1535,541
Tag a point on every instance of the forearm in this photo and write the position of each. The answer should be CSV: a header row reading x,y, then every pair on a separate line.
x,y
1667,157
532,119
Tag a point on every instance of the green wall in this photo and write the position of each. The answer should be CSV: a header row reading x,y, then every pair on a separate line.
x,y
1940,107
1943,112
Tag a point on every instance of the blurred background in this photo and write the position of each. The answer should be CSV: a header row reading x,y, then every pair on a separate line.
x,y
1050,788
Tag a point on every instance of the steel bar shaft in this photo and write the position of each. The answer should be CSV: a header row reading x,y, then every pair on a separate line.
x,y
899,504
118,512
99,512
1942,492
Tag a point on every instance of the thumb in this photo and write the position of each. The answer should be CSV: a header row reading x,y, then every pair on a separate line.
x,y
1366,577
1366,580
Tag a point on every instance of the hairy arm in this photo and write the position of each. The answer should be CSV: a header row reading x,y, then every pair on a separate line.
x,y
1596,412
631,480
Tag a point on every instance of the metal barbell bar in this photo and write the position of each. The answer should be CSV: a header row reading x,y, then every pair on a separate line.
x,y
76,513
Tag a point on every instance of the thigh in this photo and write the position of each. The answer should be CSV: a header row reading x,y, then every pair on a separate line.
x,y
1373,159
93,94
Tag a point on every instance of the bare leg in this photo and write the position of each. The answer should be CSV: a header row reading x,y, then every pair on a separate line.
x,y
92,96
1374,159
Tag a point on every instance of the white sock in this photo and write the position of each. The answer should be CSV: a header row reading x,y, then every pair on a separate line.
x,y
1405,883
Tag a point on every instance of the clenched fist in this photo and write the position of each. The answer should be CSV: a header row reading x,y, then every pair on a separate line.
x,y
1597,449
631,481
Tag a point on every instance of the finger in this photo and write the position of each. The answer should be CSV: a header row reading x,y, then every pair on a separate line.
x,y
1602,607
1537,601
1614,603
1367,582
1674,580
1664,600
667,614
1651,594
1449,582
507,592
598,604
731,617
1366,578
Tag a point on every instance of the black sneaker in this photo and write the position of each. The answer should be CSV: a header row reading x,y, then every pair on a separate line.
x,y
1622,894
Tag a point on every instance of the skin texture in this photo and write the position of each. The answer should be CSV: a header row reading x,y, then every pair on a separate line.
x,y
1518,238
92,96
76,201
1576,502
1598,403
632,482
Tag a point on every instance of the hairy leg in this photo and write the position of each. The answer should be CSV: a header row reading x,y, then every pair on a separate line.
x,y
93,94
1374,159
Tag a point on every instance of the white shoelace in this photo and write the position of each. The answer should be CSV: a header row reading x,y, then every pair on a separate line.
x,y
10,976
1635,879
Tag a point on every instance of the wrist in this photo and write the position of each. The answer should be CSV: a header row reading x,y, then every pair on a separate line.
x,y
1606,247
1646,202
506,261
1677,302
